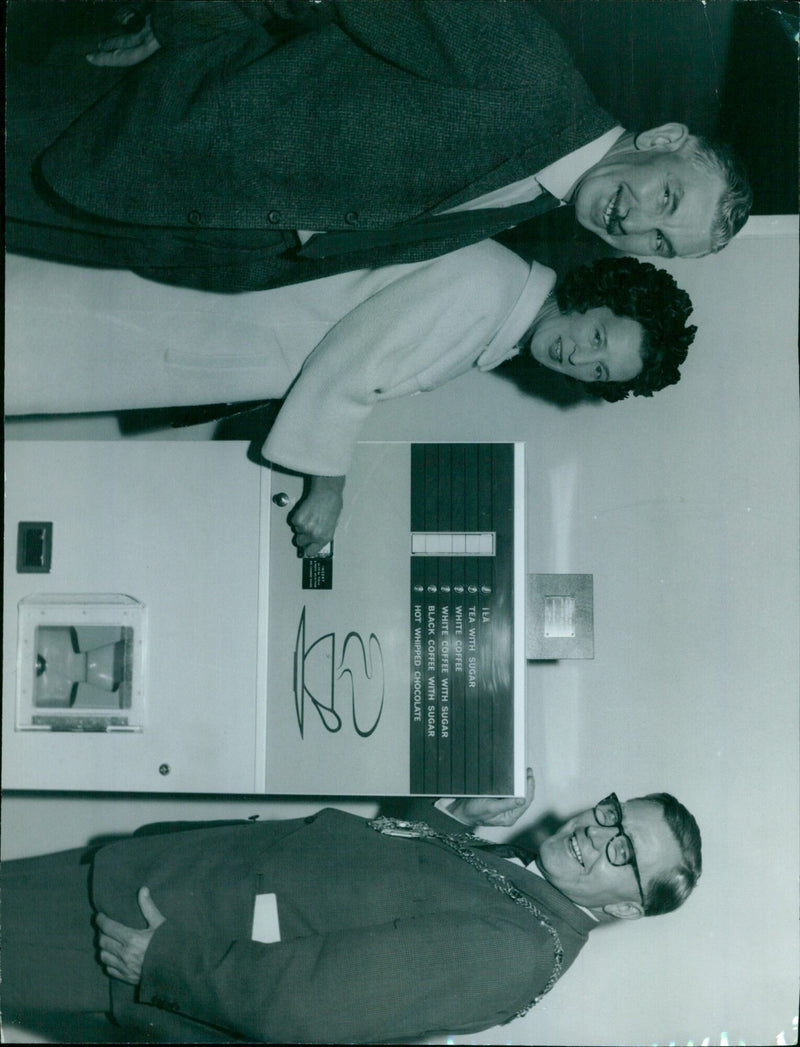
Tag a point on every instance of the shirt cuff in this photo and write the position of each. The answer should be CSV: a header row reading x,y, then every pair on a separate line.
x,y
444,804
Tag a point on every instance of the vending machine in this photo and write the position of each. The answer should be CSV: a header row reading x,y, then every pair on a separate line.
x,y
162,635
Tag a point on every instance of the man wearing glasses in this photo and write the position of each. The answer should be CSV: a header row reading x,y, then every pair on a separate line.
x,y
592,858
333,928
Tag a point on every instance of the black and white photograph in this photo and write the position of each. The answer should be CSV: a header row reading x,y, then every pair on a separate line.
x,y
402,512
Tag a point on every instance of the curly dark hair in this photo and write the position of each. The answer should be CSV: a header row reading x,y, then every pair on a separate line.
x,y
644,293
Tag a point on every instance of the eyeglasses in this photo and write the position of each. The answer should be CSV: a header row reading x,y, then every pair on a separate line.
x,y
619,849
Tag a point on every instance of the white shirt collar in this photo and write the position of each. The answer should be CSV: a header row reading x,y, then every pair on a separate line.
x,y
534,868
559,178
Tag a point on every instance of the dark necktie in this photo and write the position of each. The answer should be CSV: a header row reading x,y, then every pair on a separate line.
x,y
507,850
490,220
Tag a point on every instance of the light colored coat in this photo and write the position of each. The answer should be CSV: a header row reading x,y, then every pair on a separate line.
x,y
102,340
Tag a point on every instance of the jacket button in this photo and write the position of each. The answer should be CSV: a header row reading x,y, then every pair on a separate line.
x,y
193,218
274,217
351,217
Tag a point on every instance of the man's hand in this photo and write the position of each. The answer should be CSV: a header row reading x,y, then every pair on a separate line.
x,y
126,49
122,948
504,811
315,516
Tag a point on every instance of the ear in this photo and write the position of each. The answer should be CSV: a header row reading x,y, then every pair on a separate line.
x,y
623,910
668,137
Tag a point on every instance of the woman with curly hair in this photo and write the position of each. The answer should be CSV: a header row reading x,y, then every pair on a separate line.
x,y
625,288
82,340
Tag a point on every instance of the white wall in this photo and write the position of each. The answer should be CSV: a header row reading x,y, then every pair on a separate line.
x,y
685,509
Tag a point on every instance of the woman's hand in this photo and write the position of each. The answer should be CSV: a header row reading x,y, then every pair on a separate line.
x,y
127,49
315,516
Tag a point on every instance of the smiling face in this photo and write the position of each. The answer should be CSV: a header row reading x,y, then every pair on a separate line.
x,y
647,196
595,346
574,859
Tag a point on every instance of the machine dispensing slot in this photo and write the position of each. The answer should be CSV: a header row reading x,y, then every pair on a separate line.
x,y
90,669
80,663
34,546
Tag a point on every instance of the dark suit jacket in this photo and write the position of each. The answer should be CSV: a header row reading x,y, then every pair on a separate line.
x,y
381,938
253,119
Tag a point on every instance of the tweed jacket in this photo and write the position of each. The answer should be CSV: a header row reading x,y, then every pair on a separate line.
x,y
380,938
255,119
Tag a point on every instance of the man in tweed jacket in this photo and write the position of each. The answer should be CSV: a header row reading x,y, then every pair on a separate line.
x,y
374,938
243,128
